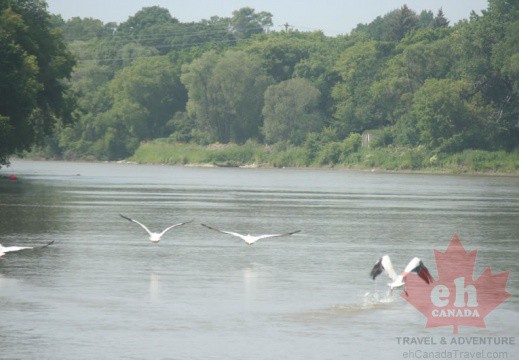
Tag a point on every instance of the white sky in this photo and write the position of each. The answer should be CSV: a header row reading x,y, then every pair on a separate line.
x,y
333,17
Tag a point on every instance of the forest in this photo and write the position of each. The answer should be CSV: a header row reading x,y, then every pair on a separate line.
x,y
407,91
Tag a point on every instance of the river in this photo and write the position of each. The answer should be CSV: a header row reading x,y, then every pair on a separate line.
x,y
104,291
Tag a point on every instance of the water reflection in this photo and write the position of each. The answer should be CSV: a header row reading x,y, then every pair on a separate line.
x,y
154,286
28,209
250,276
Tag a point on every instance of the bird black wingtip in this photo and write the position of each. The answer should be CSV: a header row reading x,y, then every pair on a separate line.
x,y
125,217
47,244
377,269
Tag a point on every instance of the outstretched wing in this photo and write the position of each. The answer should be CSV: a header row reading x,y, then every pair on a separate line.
x,y
277,235
18,248
417,266
224,232
135,221
44,246
384,264
172,226
15,248
377,269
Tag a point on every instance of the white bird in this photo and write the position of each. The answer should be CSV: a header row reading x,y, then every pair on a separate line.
x,y
6,249
251,239
154,237
415,266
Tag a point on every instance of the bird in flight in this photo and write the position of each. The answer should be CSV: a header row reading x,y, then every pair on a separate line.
x,y
250,239
6,249
154,237
415,266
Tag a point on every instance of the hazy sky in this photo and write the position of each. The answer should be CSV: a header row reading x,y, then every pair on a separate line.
x,y
331,16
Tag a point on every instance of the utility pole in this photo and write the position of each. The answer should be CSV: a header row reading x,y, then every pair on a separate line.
x,y
286,25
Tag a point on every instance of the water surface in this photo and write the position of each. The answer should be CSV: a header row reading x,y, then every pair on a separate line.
x,y
102,290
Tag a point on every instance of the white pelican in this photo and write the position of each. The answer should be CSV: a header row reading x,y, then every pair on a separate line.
x,y
250,239
415,266
154,237
4,250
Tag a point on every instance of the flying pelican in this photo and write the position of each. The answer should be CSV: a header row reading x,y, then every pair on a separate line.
x,y
155,237
4,250
415,265
250,239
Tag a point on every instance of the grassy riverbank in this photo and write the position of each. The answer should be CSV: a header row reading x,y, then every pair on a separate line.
x,y
346,154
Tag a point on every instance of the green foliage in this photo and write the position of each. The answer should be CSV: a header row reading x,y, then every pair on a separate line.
x,y
147,94
166,152
33,64
290,111
84,29
448,115
226,95
427,90
360,66
246,22
347,154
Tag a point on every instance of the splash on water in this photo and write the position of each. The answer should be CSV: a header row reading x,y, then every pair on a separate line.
x,y
374,298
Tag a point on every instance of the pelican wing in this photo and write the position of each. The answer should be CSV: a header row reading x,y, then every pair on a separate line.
x,y
43,246
377,269
18,248
417,266
15,248
224,232
135,221
173,226
277,235
388,267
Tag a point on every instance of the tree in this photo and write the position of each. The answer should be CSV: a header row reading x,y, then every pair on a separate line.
x,y
246,22
405,73
279,54
440,20
404,21
226,95
146,18
425,19
84,29
291,111
449,116
393,26
359,67
152,87
482,47
33,63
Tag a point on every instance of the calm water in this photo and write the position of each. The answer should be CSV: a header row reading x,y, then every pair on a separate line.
x,y
103,291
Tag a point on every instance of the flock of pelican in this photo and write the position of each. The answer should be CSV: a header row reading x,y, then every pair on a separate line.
x,y
249,239
382,265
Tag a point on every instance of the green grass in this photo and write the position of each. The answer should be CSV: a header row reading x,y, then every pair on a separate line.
x,y
335,154
164,152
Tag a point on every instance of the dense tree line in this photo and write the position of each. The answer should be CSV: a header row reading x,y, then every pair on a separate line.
x,y
411,79
33,62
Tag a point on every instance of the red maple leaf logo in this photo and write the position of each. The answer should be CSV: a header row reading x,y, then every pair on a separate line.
x,y
456,299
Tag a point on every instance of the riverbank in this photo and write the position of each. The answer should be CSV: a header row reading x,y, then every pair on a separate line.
x,y
332,155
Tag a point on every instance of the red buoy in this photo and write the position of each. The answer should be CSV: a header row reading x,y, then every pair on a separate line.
x,y
12,177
